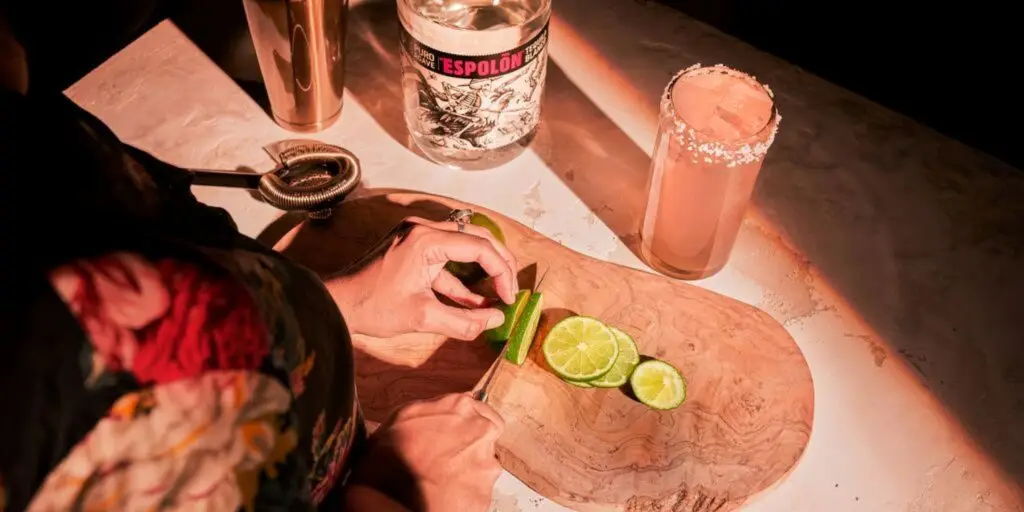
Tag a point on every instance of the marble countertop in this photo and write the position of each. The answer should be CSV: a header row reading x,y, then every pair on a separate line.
x,y
891,253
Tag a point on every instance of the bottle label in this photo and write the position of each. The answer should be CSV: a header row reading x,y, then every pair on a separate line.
x,y
473,102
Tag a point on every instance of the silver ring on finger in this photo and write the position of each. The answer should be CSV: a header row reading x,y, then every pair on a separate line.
x,y
461,215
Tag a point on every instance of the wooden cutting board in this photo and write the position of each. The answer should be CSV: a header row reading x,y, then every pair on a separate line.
x,y
746,421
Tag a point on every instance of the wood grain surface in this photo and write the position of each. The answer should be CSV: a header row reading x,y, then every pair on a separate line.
x,y
746,421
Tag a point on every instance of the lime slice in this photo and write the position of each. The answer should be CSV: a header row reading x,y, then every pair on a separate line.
x,y
580,348
658,385
525,329
470,273
579,384
628,358
512,313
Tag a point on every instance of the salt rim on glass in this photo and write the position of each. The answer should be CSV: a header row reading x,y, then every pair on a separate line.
x,y
702,146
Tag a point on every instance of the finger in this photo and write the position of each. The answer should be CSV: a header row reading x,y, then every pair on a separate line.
x,y
464,405
494,473
491,469
474,411
445,246
448,285
462,324
482,434
481,232
491,414
419,220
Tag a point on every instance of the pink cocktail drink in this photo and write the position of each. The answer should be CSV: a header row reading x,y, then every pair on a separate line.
x,y
716,127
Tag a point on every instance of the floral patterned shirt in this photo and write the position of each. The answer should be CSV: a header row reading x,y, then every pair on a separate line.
x,y
153,357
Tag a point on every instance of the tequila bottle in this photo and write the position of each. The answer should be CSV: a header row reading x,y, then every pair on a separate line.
x,y
473,77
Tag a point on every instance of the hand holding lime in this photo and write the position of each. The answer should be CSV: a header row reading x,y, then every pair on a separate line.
x,y
512,313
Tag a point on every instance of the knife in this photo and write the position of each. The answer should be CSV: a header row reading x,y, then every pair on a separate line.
x,y
484,393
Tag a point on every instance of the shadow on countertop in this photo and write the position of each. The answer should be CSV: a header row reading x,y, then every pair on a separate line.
x,y
220,30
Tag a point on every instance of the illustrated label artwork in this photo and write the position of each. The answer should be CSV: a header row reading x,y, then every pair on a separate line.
x,y
478,102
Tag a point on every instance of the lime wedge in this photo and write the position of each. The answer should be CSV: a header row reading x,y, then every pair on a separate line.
x,y
580,348
658,385
579,384
470,273
512,313
525,329
628,358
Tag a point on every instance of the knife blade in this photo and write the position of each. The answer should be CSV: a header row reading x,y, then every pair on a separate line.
x,y
536,287
484,392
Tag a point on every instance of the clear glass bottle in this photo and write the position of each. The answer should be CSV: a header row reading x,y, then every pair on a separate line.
x,y
473,77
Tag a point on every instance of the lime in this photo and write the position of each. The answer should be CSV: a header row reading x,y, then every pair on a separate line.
x,y
658,385
472,272
512,313
479,219
579,384
580,348
628,358
525,329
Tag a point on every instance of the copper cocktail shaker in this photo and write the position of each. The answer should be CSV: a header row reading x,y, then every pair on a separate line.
x,y
300,45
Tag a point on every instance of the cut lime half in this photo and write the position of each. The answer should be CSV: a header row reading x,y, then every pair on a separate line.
x,y
658,385
512,313
580,348
628,358
525,329
579,384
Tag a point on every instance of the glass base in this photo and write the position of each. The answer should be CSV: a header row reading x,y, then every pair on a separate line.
x,y
668,270
308,127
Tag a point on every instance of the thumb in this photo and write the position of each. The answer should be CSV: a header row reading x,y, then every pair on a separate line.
x,y
462,324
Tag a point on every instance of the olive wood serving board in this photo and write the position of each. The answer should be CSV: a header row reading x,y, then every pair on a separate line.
x,y
744,425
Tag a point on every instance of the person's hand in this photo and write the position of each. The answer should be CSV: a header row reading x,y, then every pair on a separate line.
x,y
395,294
435,455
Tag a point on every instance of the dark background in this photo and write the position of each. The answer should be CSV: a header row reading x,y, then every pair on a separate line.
x,y
952,66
